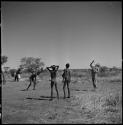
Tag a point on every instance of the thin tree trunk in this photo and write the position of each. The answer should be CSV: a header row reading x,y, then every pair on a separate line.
x,y
3,78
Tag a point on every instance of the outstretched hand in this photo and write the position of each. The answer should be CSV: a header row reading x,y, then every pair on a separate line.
x,y
91,64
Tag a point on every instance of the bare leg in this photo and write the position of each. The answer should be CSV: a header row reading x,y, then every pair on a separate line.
x,y
17,79
52,83
93,80
29,84
64,89
56,90
34,83
68,89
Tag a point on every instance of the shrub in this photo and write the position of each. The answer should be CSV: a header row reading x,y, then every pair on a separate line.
x,y
12,72
103,71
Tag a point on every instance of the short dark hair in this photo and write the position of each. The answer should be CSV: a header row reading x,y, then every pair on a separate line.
x,y
67,65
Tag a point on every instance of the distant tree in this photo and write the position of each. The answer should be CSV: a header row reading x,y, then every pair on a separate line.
x,y
103,69
4,59
12,72
115,68
6,69
31,64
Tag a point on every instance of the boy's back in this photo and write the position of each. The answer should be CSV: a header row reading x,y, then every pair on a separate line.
x,y
53,74
66,74
94,71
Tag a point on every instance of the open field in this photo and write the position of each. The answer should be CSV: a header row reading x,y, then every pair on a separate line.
x,y
104,105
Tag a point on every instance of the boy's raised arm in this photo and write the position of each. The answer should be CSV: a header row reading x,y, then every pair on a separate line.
x,y
91,64
49,68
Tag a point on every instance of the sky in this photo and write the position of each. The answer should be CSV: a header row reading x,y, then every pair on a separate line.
x,y
62,32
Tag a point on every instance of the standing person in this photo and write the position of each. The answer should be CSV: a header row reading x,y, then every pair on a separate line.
x,y
33,78
53,71
17,75
94,71
66,79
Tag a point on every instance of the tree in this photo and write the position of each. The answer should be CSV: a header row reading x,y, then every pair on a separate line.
x,y
103,71
31,63
4,59
6,69
12,72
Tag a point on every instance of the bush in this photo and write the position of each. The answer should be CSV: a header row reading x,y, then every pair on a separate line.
x,y
103,71
12,72
106,72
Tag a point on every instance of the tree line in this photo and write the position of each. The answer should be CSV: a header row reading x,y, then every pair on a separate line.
x,y
27,64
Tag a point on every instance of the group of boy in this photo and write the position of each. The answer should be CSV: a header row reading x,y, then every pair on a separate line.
x,y
66,78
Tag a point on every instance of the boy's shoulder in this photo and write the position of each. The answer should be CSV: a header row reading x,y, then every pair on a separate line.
x,y
68,70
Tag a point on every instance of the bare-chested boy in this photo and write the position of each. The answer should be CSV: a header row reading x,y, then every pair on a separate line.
x,y
17,74
33,77
66,79
53,71
94,71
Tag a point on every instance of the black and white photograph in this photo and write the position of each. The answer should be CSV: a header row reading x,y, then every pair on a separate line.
x,y
61,62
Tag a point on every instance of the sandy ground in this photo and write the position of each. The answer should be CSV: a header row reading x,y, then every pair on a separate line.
x,y
85,105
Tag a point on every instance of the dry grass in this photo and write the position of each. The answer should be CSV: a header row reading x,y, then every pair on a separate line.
x,y
102,106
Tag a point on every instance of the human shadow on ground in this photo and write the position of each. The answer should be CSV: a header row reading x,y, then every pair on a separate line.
x,y
23,90
46,96
37,98
91,90
81,90
28,90
50,97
